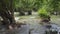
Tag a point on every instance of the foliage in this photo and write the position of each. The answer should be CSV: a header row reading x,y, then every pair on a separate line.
x,y
25,4
43,13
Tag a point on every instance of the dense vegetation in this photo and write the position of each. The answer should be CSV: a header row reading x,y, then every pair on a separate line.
x,y
43,7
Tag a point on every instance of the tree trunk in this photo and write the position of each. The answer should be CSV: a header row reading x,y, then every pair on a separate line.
x,y
29,12
7,13
21,11
12,18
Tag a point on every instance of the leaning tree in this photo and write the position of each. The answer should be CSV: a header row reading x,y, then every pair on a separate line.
x,y
7,11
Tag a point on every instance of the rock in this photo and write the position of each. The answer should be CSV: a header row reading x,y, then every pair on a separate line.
x,y
10,27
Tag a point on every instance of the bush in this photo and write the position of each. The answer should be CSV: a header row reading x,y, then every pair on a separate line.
x,y
43,13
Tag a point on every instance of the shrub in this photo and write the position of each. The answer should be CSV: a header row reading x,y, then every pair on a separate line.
x,y
43,13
